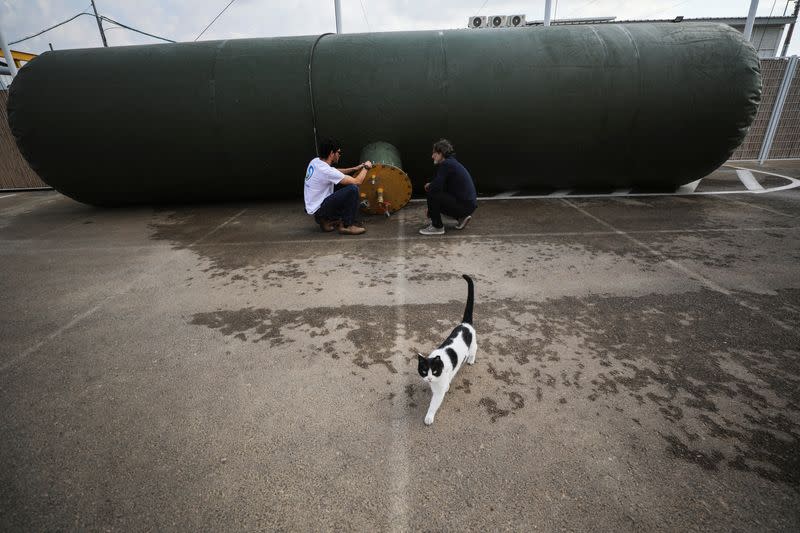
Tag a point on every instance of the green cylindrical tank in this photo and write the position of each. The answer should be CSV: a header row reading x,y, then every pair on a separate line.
x,y
382,153
565,106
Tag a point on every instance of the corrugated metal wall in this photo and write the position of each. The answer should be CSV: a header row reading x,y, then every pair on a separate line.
x,y
16,174
14,170
786,144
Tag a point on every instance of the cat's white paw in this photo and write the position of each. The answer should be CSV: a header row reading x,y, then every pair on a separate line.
x,y
428,420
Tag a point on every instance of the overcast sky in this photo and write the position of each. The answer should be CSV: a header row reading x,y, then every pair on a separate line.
x,y
183,20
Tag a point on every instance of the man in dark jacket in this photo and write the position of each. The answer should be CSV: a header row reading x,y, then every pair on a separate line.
x,y
451,192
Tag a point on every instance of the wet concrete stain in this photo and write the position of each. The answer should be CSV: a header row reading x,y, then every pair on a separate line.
x,y
730,400
492,410
464,385
679,362
684,358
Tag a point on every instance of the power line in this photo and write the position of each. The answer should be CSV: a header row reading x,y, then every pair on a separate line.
x,y
764,30
670,7
484,5
215,19
585,4
364,11
134,29
103,17
50,28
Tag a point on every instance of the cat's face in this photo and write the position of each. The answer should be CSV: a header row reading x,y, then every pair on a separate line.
x,y
429,369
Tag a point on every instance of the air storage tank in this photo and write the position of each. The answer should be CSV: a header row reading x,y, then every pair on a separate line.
x,y
564,106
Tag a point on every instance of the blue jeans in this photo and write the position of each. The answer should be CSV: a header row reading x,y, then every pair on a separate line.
x,y
342,204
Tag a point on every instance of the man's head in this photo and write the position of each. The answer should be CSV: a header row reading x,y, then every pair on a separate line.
x,y
330,150
441,150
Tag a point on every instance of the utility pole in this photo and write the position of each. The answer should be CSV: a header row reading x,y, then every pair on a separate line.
x,y
99,25
547,12
791,28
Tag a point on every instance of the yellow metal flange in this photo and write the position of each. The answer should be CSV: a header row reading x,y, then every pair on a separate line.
x,y
385,190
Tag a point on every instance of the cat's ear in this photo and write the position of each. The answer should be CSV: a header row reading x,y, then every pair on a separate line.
x,y
419,355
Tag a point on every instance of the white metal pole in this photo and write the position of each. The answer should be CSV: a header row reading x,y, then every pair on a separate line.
x,y
751,18
338,16
547,5
7,54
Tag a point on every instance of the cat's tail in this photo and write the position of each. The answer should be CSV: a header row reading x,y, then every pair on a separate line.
x,y
470,300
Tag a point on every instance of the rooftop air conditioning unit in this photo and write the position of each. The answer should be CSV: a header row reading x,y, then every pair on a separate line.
x,y
477,22
514,21
496,21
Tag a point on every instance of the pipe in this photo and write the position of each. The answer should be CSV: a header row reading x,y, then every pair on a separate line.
x,y
12,67
751,18
547,6
338,9
609,105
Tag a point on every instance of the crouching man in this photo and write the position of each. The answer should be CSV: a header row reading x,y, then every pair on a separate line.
x,y
451,192
331,209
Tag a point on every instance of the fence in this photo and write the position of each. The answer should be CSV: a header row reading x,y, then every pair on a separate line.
x,y
14,170
786,142
16,174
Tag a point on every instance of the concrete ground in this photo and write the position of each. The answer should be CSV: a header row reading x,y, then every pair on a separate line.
x,y
230,367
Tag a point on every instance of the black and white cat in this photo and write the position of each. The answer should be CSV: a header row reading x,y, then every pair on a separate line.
x,y
440,367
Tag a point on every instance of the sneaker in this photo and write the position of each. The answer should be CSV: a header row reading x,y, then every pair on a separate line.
x,y
351,230
432,230
462,222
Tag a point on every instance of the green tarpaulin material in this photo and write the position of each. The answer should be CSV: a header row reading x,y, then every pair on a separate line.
x,y
609,105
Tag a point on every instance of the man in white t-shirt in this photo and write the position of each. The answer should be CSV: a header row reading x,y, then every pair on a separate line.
x,y
334,209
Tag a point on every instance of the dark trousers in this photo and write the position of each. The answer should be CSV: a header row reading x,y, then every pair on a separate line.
x,y
342,204
440,203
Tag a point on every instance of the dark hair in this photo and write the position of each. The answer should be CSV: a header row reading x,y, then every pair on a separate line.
x,y
326,146
444,147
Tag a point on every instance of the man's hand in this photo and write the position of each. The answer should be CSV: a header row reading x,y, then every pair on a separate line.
x,y
367,164
427,187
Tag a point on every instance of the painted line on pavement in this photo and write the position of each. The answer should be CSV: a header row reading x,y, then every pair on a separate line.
x,y
507,194
749,181
25,244
688,272
92,310
399,468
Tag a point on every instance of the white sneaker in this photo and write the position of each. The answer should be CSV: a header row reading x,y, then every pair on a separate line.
x,y
431,230
462,222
